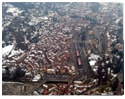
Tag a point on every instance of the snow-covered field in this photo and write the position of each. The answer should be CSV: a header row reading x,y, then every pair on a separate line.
x,y
7,49
14,11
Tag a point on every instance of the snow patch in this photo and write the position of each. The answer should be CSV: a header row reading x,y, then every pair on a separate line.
x,y
94,57
108,70
36,20
14,11
92,62
36,78
7,49
14,53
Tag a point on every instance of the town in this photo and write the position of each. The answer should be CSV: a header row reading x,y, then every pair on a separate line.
x,y
62,48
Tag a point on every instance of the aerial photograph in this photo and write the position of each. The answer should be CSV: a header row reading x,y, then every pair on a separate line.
x,y
62,48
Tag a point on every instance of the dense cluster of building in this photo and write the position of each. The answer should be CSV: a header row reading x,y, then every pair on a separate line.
x,y
75,88
41,36
46,56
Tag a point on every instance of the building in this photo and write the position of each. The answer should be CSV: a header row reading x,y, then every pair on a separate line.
x,y
62,70
90,32
51,71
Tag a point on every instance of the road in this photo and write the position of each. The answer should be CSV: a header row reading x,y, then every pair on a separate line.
x,y
31,89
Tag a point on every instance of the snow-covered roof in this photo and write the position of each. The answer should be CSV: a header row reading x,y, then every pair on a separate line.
x,y
92,62
78,82
94,57
36,78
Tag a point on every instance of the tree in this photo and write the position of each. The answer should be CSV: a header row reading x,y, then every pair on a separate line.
x,y
115,84
114,51
109,64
